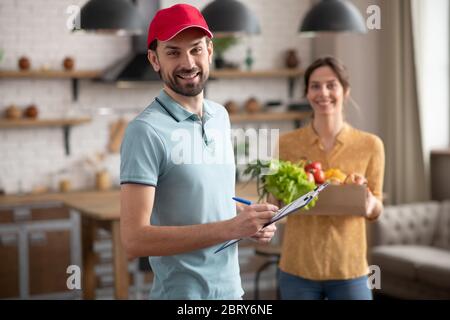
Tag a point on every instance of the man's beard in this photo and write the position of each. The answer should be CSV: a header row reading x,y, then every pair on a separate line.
x,y
189,89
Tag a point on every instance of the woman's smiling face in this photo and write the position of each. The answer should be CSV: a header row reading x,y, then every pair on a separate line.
x,y
325,92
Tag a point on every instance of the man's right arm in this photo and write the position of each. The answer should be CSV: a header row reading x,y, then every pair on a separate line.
x,y
140,238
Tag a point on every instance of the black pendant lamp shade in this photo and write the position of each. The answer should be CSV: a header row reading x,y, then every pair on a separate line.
x,y
230,16
333,16
111,16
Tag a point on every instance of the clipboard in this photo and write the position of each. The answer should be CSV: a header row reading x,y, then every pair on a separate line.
x,y
285,211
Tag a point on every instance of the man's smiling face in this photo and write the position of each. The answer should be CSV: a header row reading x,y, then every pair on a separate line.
x,y
183,62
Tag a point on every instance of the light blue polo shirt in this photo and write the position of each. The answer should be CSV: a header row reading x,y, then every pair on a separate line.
x,y
190,162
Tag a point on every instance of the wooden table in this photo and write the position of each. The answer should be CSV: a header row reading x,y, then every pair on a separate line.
x,y
101,210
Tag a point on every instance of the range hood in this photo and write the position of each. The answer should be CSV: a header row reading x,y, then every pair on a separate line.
x,y
135,67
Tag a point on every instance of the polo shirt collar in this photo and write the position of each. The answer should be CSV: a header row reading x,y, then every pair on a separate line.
x,y
178,112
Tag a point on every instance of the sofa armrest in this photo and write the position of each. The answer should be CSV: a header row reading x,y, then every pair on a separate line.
x,y
442,237
406,224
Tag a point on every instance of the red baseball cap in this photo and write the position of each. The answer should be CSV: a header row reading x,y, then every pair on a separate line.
x,y
168,22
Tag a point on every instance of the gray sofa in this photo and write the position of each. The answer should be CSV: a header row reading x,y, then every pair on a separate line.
x,y
411,245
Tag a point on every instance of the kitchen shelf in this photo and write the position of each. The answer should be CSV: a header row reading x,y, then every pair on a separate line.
x,y
4,124
269,116
53,74
66,124
40,74
290,74
277,73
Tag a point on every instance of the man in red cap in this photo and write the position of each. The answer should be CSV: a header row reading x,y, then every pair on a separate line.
x,y
177,172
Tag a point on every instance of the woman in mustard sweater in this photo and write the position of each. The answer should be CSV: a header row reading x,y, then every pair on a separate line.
x,y
325,256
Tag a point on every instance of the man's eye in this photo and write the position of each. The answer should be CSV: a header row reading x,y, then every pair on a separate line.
x,y
315,86
172,53
197,50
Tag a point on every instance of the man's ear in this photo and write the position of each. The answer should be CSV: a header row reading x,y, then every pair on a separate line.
x,y
153,59
210,48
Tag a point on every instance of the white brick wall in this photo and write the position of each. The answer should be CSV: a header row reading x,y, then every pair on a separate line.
x,y
37,29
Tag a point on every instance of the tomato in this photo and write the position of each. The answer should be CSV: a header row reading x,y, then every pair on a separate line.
x,y
316,165
319,176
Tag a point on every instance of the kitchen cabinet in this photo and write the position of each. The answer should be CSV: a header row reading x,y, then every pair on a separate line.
x,y
9,254
49,240
37,244
48,249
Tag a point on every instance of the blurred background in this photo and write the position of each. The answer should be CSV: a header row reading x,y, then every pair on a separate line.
x,y
69,86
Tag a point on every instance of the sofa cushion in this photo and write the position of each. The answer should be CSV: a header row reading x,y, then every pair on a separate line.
x,y
403,260
398,287
442,236
410,224
437,271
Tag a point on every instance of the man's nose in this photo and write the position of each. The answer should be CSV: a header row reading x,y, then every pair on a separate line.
x,y
188,61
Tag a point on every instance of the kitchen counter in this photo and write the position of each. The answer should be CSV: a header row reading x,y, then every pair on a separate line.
x,y
30,199
102,204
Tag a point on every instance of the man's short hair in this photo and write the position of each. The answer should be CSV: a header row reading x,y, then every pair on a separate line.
x,y
154,44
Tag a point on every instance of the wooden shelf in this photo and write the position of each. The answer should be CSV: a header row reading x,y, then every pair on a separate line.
x,y
269,116
50,74
290,74
66,124
74,76
21,123
232,74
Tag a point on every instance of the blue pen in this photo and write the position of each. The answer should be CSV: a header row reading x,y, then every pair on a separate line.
x,y
242,200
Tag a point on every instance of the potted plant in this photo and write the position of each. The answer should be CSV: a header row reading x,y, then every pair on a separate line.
x,y
221,45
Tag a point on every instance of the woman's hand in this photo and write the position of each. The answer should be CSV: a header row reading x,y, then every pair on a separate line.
x,y
373,206
355,178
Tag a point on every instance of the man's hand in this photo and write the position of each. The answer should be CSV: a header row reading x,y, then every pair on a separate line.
x,y
265,235
251,220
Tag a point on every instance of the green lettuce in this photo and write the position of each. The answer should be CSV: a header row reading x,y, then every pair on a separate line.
x,y
284,180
